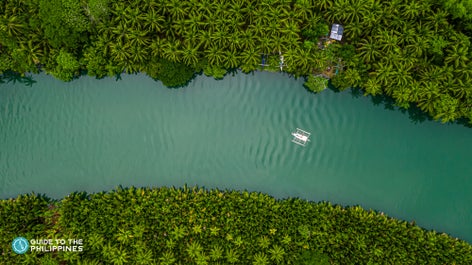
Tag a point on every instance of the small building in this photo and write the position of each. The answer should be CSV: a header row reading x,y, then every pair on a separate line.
x,y
336,32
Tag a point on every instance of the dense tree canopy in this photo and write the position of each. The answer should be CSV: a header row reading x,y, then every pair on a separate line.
x,y
198,226
416,51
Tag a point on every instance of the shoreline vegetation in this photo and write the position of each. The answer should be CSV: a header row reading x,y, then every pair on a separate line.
x,y
417,52
193,225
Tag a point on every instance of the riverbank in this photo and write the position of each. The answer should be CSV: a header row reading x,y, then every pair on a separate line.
x,y
414,52
192,224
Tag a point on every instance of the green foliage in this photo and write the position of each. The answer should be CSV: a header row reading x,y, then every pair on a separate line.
x,y
172,74
215,71
149,226
316,83
313,258
394,48
67,66
63,22
461,9
97,10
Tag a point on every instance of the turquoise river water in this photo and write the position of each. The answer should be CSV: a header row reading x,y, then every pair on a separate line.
x,y
93,135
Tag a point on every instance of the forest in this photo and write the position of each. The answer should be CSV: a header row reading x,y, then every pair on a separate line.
x,y
192,225
414,51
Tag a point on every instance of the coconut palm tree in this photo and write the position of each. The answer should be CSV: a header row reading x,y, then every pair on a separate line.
x,y
388,41
411,9
153,21
231,255
250,57
231,60
190,55
260,259
246,40
119,52
171,51
369,50
177,9
457,55
12,26
215,55
167,258
323,5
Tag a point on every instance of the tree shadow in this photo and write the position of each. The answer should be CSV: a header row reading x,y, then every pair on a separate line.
x,y
10,76
415,114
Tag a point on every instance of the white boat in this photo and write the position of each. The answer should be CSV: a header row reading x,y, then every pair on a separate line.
x,y
300,137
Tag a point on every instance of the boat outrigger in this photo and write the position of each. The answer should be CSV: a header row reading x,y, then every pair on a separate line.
x,y
300,137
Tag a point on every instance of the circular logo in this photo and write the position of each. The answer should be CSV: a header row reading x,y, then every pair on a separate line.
x,y
20,245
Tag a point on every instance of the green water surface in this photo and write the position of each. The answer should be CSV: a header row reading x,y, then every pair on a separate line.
x,y
94,135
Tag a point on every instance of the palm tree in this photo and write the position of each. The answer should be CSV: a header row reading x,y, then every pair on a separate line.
x,y
382,73
216,253
204,7
119,52
119,257
457,55
190,55
237,11
438,19
180,27
176,9
144,257
231,60
153,21
388,41
400,76
407,36
156,47
215,55
33,50
291,29
167,258
260,259
368,50
429,96
139,54
447,109
417,47
194,249
138,37
171,51
352,77
411,10
250,57
339,11
246,40
372,86
355,11
205,38
220,37
12,26
304,9
232,256
121,31
193,23
323,5
354,30
277,254
265,44
261,15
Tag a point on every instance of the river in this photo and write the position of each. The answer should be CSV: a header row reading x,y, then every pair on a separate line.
x,y
93,135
